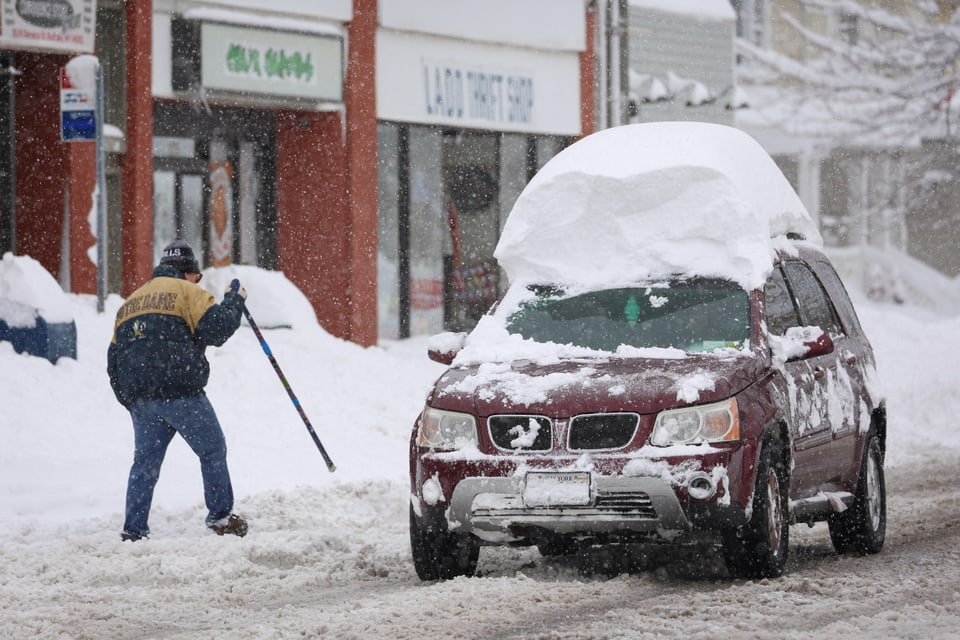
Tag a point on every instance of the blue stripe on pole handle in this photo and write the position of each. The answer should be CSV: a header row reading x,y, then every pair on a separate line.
x,y
235,285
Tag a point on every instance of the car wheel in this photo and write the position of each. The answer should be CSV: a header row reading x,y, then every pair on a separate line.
x,y
759,548
437,553
863,527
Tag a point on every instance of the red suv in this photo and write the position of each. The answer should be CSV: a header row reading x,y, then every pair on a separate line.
x,y
682,410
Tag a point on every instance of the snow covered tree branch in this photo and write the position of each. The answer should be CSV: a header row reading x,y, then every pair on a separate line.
x,y
883,77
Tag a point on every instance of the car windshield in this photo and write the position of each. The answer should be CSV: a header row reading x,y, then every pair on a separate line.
x,y
692,315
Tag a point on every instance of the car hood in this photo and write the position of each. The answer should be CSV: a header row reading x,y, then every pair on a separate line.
x,y
571,387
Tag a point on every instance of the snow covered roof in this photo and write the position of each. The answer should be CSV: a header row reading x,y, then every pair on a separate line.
x,y
653,199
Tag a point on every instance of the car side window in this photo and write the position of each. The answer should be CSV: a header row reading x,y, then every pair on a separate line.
x,y
778,304
838,293
815,308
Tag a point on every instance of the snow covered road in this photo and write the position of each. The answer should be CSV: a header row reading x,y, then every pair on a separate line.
x,y
327,555
325,576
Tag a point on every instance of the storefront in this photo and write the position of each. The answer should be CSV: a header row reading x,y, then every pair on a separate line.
x,y
470,105
260,138
47,176
223,78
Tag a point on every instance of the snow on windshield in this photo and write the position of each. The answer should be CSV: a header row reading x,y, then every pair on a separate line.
x,y
645,200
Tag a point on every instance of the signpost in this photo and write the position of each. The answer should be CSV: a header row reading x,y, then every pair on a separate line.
x,y
78,118
81,118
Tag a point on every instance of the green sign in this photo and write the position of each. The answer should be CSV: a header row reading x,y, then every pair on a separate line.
x,y
274,63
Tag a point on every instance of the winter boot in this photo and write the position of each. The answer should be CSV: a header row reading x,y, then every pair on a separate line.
x,y
132,536
234,525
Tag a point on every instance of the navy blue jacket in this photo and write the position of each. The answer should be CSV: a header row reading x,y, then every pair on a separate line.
x,y
161,334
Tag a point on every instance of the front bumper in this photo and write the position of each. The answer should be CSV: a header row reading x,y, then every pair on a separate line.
x,y
493,509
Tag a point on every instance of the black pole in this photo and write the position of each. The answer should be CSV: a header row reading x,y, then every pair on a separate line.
x,y
8,154
235,286
403,228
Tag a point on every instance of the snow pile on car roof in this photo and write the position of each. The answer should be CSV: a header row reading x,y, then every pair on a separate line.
x,y
654,199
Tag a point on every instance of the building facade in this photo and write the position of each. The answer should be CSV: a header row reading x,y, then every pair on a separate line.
x,y
681,61
369,150
472,99
886,191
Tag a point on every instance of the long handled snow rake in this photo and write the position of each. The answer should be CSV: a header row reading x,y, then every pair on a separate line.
x,y
235,286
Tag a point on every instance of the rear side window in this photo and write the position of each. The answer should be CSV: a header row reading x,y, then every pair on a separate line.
x,y
778,304
815,307
838,294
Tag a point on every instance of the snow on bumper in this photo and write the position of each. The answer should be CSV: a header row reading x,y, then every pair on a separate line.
x,y
495,509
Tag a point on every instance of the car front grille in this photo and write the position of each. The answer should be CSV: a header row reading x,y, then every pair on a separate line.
x,y
637,502
599,431
519,432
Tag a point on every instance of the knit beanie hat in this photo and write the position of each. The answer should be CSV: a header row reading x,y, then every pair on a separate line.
x,y
179,255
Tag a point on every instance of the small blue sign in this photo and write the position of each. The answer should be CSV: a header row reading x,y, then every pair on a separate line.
x,y
78,125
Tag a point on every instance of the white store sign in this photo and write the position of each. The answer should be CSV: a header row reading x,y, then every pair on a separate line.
x,y
48,25
271,62
451,82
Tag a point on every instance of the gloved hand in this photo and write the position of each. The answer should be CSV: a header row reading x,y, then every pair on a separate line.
x,y
240,292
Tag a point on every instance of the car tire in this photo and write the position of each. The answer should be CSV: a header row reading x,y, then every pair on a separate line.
x,y
759,548
863,527
439,554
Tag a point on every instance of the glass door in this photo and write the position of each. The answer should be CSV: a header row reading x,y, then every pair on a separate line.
x,y
178,198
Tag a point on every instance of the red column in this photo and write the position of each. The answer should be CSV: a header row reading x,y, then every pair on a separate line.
x,y
361,106
81,183
137,164
43,161
588,73
313,221
327,195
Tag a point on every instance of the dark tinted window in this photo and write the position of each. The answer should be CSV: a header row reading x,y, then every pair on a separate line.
x,y
839,296
815,308
778,303
694,315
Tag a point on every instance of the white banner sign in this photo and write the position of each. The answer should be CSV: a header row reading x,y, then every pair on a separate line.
x,y
476,85
48,25
272,62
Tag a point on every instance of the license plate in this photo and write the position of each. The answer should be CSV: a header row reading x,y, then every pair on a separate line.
x,y
564,489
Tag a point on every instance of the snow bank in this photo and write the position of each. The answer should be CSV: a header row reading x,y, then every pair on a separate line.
x,y
273,301
28,290
646,200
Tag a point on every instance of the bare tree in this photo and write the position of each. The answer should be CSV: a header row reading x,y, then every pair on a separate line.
x,y
872,77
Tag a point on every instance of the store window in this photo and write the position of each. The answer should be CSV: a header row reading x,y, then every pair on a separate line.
x,y
214,177
444,195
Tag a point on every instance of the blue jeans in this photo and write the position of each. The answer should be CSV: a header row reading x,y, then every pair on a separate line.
x,y
154,424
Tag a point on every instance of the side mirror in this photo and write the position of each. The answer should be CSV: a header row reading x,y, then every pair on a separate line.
x,y
444,347
800,343
819,346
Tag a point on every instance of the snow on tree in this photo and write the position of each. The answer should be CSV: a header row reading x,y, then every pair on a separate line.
x,y
877,86
859,72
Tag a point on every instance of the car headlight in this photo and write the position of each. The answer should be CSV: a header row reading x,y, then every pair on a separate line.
x,y
446,429
717,422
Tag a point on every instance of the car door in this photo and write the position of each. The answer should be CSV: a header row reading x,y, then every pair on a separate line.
x,y
855,355
807,432
824,447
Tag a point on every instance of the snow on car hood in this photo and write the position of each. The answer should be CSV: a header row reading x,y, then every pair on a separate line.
x,y
576,386
651,199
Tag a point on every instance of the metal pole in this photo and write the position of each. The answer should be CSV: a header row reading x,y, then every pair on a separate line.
x,y
101,198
